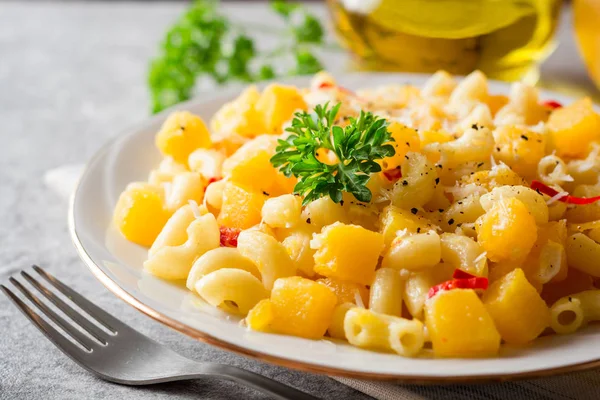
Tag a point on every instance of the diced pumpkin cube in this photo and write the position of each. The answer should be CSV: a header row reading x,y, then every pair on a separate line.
x,y
240,116
250,165
241,206
394,219
255,172
261,315
496,102
181,134
518,311
346,292
507,231
302,307
140,214
460,326
405,139
574,127
519,148
428,137
276,104
347,252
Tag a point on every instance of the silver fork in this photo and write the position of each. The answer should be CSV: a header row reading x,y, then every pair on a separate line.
x,y
120,353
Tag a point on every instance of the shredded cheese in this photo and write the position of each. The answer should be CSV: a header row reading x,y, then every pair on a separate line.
x,y
556,197
480,257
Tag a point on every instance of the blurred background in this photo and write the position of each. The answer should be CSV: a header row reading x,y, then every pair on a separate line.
x,y
177,49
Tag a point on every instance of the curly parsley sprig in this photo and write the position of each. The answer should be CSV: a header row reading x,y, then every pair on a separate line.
x,y
205,43
357,147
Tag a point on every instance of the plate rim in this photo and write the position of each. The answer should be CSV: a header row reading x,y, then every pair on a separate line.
x,y
204,337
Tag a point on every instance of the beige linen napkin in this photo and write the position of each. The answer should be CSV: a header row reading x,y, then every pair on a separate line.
x,y
574,386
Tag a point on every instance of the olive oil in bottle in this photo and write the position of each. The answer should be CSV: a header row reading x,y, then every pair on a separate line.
x,y
506,39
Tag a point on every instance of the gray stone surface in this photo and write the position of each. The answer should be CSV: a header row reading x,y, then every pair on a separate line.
x,y
72,74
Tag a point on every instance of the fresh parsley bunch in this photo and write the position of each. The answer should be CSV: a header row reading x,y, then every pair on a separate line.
x,y
205,43
357,147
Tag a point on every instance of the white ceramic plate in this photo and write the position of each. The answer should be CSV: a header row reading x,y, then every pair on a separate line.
x,y
118,265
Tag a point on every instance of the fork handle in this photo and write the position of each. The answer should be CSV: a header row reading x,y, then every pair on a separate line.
x,y
261,383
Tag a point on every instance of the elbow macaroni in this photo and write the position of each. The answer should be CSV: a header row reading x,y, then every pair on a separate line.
x,y
455,196
368,329
234,290
572,312
175,261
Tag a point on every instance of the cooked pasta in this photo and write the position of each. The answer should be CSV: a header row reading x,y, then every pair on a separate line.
x,y
386,217
371,330
234,290
571,312
386,292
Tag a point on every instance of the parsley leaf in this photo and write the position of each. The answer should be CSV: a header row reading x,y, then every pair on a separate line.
x,y
283,8
357,146
309,31
204,43
306,63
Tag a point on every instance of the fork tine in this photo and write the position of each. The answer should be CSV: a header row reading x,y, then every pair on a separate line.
x,y
60,321
104,318
92,329
48,330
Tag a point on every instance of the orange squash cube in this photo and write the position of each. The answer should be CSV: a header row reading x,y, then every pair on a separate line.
x,y
240,116
261,315
574,127
496,102
518,311
347,252
519,148
255,172
460,326
140,214
507,231
241,206
428,137
405,139
276,104
181,134
302,307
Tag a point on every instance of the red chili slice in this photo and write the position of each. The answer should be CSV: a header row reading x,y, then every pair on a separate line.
x,y
460,274
229,236
547,190
393,175
475,283
552,104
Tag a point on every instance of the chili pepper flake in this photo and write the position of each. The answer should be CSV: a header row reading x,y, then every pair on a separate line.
x,y
229,236
547,190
